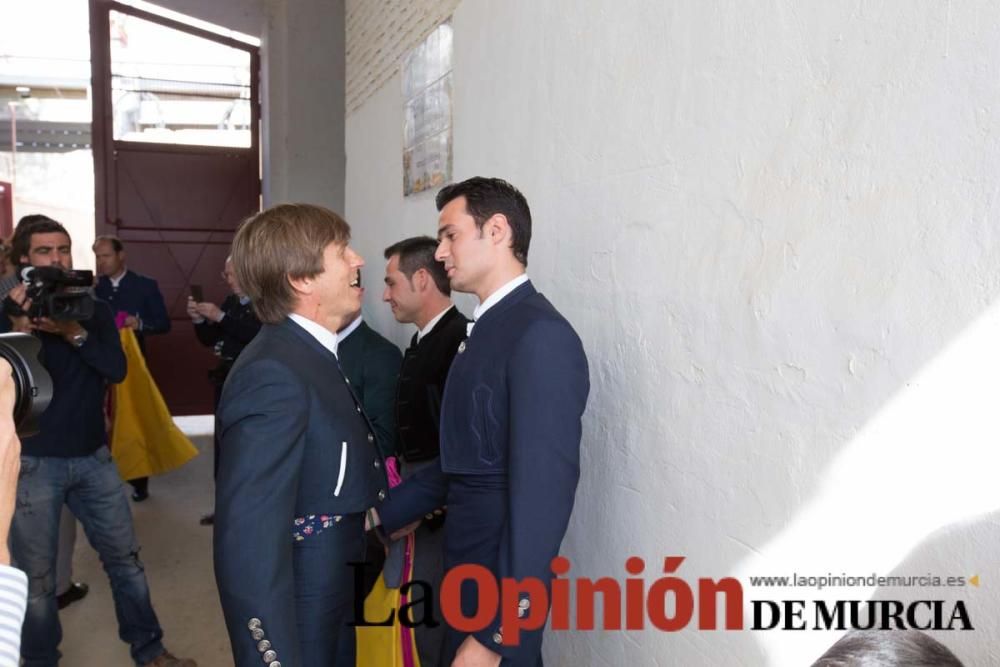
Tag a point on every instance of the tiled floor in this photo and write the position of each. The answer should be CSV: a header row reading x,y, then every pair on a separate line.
x,y
177,553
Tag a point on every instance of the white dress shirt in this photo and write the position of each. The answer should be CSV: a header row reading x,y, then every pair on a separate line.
x,y
430,325
326,338
117,279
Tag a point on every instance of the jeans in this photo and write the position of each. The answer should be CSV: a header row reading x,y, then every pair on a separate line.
x,y
67,543
90,486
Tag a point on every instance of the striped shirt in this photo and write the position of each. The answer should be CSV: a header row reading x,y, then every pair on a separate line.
x,y
13,599
7,283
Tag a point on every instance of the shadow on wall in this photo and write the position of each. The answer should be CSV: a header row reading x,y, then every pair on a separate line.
x,y
794,430
964,549
923,465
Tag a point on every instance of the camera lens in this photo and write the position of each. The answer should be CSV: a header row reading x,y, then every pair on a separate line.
x,y
32,383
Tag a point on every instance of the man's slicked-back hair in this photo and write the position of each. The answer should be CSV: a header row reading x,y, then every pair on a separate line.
x,y
27,227
116,243
880,648
484,198
281,243
418,253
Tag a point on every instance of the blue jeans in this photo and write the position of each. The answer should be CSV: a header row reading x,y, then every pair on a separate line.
x,y
90,486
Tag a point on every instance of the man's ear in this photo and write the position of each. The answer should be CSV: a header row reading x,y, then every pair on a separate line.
x,y
497,229
24,260
420,279
301,285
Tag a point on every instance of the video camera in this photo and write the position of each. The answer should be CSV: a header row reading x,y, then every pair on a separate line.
x,y
55,293
32,384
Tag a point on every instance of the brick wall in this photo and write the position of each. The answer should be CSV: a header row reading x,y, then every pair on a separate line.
x,y
379,34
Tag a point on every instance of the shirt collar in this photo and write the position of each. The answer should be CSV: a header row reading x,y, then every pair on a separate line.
x,y
349,329
494,299
326,338
244,300
430,325
117,279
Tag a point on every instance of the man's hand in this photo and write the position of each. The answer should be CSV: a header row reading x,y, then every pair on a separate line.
x,y
132,322
20,323
192,310
10,457
473,654
209,311
18,293
65,328
373,520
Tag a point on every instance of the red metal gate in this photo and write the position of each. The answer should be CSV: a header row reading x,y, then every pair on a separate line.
x,y
6,209
174,200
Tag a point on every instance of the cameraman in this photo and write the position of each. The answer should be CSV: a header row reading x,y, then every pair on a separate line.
x,y
68,461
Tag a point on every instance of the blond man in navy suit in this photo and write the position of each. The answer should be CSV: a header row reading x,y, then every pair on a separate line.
x,y
298,461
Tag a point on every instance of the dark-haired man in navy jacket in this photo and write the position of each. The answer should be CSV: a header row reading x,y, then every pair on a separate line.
x,y
510,421
136,295
128,291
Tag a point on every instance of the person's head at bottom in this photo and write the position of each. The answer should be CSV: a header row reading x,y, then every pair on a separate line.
x,y
888,648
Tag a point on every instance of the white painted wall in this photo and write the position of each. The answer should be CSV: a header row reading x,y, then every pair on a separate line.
x,y
775,227
304,60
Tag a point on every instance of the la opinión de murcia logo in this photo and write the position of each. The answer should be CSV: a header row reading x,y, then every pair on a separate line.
x,y
526,604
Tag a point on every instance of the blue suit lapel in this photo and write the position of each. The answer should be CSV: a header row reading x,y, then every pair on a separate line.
x,y
309,340
315,345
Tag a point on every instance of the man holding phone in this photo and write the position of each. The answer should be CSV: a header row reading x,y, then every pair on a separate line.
x,y
228,329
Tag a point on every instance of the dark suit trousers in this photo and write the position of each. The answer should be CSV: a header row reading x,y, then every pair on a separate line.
x,y
324,592
428,565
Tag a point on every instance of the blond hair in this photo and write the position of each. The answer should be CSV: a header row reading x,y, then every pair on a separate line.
x,y
281,243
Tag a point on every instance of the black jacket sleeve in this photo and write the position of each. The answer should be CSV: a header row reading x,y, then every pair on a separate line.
x,y
421,493
381,372
207,333
242,329
102,350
